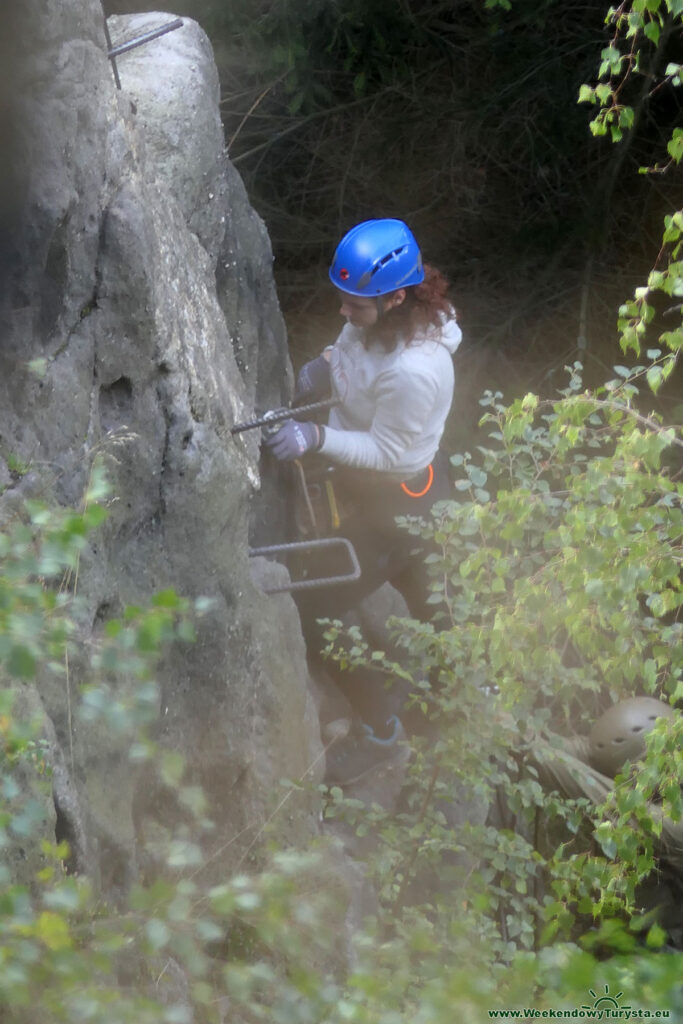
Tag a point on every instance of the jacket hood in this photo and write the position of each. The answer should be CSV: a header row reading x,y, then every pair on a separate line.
x,y
450,334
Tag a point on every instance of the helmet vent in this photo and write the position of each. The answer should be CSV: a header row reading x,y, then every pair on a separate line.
x,y
390,256
369,274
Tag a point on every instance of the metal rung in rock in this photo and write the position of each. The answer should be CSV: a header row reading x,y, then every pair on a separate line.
x,y
115,51
321,581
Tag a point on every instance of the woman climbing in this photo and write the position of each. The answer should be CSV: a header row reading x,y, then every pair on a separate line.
x,y
391,369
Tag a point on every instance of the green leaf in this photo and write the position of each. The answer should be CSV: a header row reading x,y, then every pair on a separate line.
x,y
184,854
611,60
222,899
626,117
178,1014
652,31
477,476
53,931
157,933
595,588
21,662
94,516
166,599
675,145
672,231
656,937
64,897
248,900
654,378
98,486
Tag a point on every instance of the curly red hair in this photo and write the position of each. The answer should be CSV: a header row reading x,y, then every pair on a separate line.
x,y
424,307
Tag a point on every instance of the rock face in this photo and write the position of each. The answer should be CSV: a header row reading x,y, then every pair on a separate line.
x,y
140,279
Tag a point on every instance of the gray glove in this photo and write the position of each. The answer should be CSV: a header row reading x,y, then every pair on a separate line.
x,y
294,439
313,381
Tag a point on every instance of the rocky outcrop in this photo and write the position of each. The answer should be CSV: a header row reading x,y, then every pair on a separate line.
x,y
140,323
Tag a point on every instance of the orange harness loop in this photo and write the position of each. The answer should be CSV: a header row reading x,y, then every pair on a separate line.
x,y
420,494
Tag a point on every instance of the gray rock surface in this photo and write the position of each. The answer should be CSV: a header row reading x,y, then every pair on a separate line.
x,y
140,279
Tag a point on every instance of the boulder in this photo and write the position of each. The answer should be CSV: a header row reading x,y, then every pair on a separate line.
x,y
139,323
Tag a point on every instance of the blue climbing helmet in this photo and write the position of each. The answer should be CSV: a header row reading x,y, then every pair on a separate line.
x,y
377,257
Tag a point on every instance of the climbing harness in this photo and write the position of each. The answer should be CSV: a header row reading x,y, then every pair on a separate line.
x,y
316,508
425,490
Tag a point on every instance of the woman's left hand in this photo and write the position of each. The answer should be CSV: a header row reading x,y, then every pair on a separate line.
x,y
294,439
313,382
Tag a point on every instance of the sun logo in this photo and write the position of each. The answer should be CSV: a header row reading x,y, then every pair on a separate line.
x,y
606,1000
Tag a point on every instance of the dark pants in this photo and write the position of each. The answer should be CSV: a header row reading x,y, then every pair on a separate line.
x,y
386,553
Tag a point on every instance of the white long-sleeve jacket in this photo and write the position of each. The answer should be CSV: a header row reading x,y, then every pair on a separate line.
x,y
394,404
